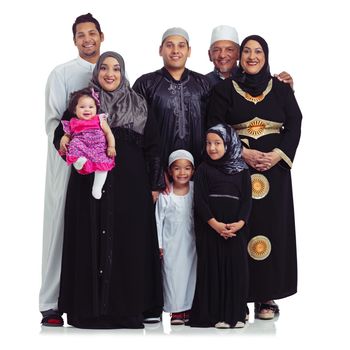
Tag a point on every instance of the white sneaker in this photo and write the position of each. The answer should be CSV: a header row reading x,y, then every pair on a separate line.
x,y
222,325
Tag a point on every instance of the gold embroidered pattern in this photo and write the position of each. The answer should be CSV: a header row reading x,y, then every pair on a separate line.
x,y
260,186
249,97
284,157
246,142
257,127
259,247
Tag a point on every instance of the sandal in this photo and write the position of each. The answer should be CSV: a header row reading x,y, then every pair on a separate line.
x,y
239,324
275,307
222,325
266,311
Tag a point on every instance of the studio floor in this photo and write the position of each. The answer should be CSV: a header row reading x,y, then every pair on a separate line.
x,y
294,327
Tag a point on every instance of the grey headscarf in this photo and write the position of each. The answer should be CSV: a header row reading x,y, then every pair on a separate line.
x,y
232,161
125,107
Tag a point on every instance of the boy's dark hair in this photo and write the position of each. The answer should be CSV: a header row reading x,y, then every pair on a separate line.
x,y
74,98
83,19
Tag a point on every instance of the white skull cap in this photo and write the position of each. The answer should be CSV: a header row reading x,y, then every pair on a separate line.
x,y
176,31
180,154
224,32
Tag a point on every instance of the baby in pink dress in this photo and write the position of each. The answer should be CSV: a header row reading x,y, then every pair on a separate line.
x,y
88,142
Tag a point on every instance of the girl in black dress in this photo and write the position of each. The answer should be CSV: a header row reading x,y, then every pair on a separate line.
x,y
222,197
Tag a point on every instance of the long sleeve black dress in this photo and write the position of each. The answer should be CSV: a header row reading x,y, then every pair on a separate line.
x,y
222,270
273,122
110,266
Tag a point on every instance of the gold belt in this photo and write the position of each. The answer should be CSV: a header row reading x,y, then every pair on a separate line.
x,y
257,127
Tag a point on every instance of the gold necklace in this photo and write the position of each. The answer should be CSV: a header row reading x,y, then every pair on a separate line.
x,y
248,96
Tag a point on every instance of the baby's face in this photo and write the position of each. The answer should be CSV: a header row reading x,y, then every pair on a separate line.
x,y
86,108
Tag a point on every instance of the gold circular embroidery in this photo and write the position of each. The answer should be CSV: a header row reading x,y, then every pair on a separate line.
x,y
259,247
256,127
260,186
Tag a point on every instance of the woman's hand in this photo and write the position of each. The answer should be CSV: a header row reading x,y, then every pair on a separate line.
x,y
111,152
260,161
65,139
271,159
161,253
254,158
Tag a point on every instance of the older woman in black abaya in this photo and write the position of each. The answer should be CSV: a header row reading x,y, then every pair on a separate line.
x,y
111,267
265,114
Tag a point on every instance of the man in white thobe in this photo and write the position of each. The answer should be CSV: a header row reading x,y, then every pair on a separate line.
x,y
63,80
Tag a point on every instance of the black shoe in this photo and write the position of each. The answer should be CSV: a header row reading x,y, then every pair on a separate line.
x,y
52,318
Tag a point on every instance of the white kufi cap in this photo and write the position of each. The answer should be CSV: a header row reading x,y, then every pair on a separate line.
x,y
224,33
180,154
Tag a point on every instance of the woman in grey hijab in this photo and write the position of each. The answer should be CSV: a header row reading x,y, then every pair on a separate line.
x,y
111,267
125,107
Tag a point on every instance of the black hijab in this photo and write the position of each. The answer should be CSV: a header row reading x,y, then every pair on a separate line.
x,y
254,84
231,162
125,108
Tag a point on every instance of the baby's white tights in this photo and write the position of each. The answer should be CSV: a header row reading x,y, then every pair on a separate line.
x,y
99,181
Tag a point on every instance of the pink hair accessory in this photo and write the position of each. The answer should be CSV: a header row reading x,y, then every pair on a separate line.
x,y
95,96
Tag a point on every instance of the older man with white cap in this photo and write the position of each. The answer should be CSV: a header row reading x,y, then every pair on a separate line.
x,y
224,53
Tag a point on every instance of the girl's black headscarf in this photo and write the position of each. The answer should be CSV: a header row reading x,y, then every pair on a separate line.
x,y
125,108
231,162
254,84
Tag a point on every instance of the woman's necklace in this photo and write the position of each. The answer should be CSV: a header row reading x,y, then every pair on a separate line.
x,y
248,96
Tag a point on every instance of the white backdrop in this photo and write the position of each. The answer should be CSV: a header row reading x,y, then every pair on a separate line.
x,y
307,39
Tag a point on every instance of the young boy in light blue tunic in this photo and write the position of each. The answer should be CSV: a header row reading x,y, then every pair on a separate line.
x,y
174,215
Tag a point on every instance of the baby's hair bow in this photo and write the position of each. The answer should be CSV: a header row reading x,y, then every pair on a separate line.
x,y
95,96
